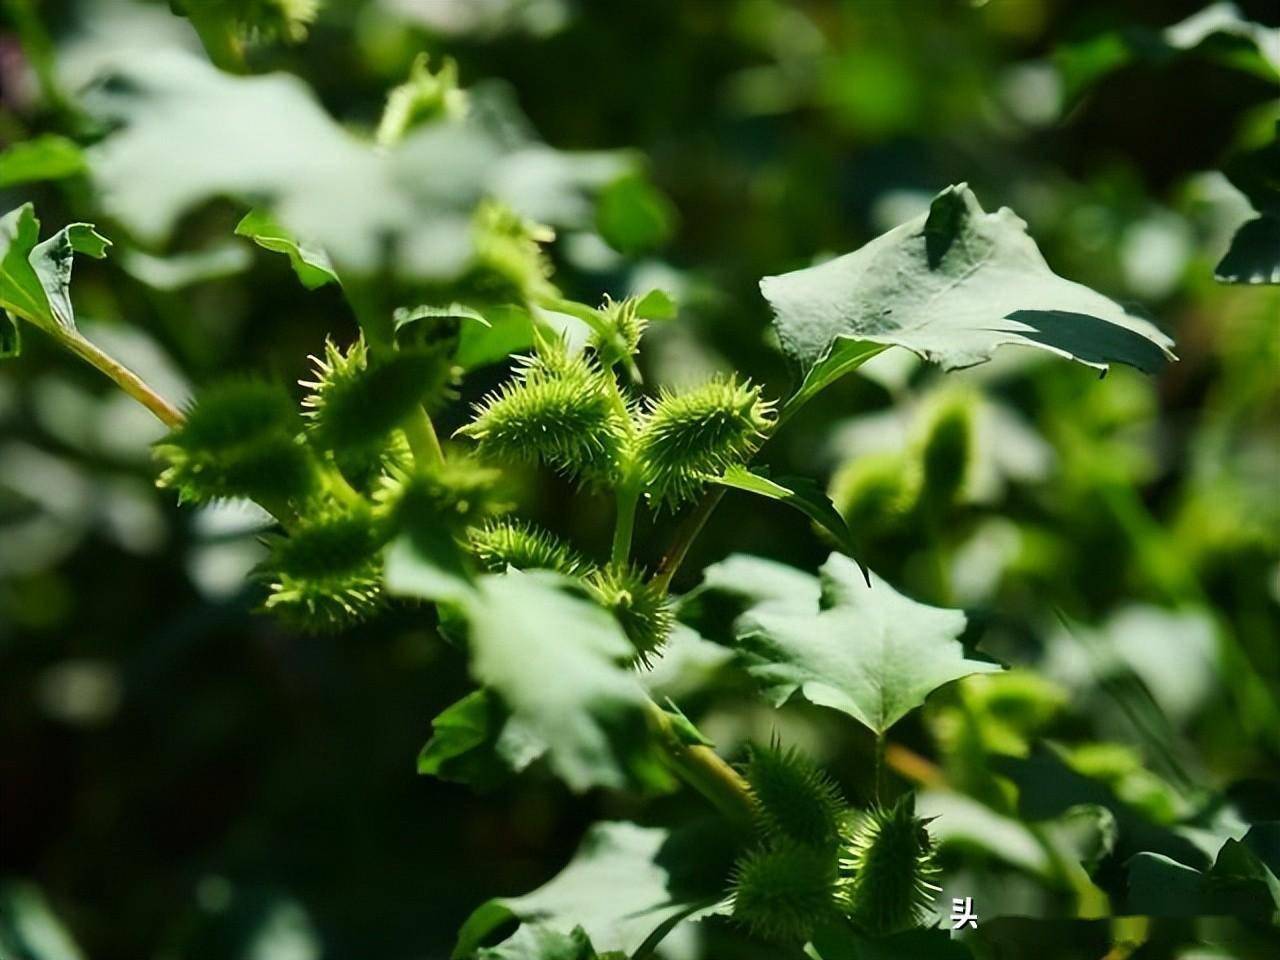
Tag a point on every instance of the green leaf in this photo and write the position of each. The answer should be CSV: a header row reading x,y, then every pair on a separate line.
x,y
953,285
555,661
799,492
1238,884
537,942
35,278
865,649
462,748
843,356
47,157
508,330
656,305
309,262
1254,254
184,133
182,270
626,887
633,216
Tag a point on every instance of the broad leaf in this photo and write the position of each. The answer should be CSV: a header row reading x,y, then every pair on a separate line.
x,y
953,285
626,887
556,662
48,157
864,649
536,942
1254,254
463,745
309,262
799,492
35,278
1240,882
184,133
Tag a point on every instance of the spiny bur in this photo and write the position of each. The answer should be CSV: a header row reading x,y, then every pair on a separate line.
x,y
425,97
946,451
793,798
783,893
888,869
327,573
452,496
875,493
643,610
239,439
355,402
559,408
509,264
623,328
691,437
499,544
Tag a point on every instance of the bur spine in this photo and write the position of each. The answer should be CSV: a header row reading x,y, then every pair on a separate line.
x,y
888,869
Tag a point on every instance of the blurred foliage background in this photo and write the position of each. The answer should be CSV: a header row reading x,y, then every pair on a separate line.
x,y
180,777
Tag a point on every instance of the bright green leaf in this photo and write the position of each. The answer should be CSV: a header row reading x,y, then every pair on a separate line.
x,y
633,216
799,492
35,278
463,741
953,285
626,887
656,305
47,157
309,262
864,649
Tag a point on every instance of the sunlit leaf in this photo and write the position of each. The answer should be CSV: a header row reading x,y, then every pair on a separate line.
x,y
953,285
309,262
864,649
47,157
35,277
626,887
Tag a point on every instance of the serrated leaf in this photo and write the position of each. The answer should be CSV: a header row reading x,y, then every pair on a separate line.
x,y
462,748
626,887
555,661
35,277
802,494
183,133
47,157
309,262
953,285
1254,254
864,649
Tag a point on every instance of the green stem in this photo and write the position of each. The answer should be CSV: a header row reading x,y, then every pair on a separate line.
x,y
122,376
423,441
628,499
701,768
687,532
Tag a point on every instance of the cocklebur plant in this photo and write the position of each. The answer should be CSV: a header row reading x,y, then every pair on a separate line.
x,y
374,509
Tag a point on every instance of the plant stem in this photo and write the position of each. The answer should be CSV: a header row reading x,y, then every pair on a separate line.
x,y
701,768
687,532
423,441
122,376
628,496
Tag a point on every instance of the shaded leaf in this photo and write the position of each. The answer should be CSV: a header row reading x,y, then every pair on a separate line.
x,y
865,649
10,337
843,942
309,262
462,748
536,942
1254,253
35,277
953,285
799,492
47,157
626,887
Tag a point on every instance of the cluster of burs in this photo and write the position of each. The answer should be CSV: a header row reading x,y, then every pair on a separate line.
x,y
817,860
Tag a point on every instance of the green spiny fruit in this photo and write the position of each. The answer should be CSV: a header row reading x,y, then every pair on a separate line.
x,y
874,493
643,610
356,402
688,438
266,19
624,328
946,452
239,439
366,468
888,868
558,408
454,495
784,892
327,573
509,263
794,799
499,544
423,98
